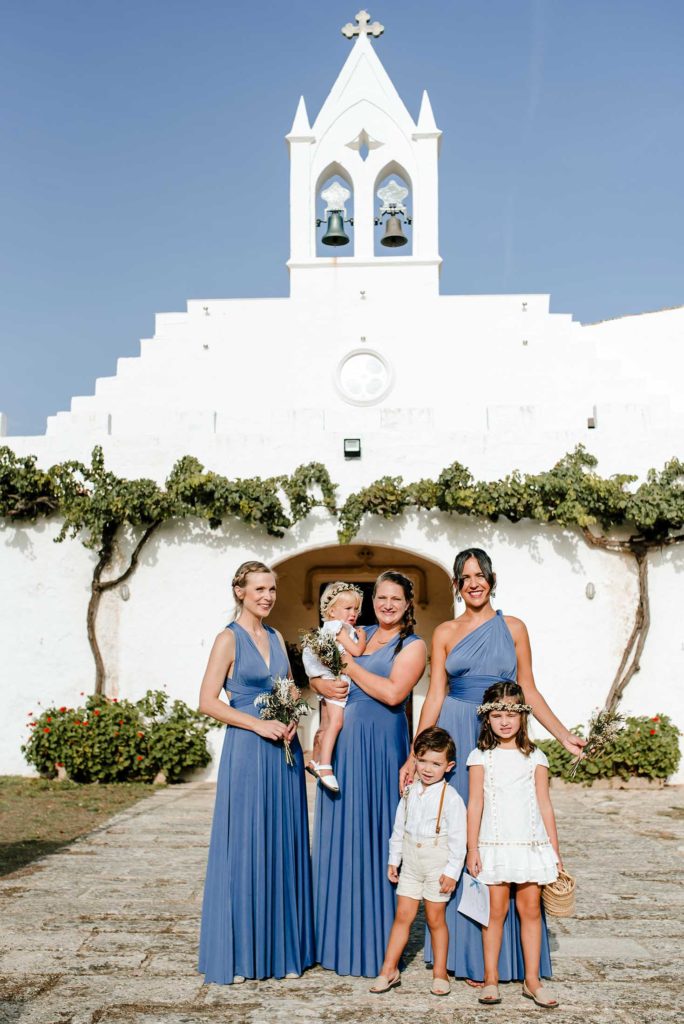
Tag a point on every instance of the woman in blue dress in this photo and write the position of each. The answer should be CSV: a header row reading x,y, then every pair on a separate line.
x,y
257,917
354,900
470,653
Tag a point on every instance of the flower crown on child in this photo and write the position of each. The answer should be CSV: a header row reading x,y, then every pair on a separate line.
x,y
502,705
332,592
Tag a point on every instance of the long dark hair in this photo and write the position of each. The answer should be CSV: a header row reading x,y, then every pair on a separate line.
x,y
408,621
497,691
482,559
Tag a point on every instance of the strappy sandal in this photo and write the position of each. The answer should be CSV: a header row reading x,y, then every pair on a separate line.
x,y
490,995
440,987
383,984
542,997
329,781
312,768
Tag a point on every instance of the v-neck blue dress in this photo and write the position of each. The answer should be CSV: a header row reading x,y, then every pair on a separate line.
x,y
354,900
257,916
485,656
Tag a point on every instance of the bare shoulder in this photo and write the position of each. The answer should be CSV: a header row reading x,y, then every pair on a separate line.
x,y
516,626
224,641
445,631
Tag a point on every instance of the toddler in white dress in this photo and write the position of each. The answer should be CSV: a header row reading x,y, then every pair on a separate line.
x,y
512,836
340,607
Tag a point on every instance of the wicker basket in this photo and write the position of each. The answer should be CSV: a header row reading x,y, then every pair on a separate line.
x,y
559,896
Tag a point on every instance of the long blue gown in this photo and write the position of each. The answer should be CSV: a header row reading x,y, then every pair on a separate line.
x,y
257,916
354,901
485,656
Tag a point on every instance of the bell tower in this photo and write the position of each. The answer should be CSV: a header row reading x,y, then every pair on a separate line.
x,y
364,182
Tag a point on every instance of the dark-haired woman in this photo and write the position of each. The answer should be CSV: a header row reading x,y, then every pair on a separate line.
x,y
354,902
470,653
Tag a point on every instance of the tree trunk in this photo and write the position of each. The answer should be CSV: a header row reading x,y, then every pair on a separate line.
x,y
637,638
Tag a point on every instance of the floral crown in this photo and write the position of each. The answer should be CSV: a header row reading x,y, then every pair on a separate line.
x,y
502,705
335,591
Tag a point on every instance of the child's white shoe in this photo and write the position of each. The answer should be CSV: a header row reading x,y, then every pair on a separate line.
x,y
329,781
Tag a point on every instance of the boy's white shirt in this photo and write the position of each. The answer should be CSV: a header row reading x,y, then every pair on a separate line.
x,y
418,818
314,668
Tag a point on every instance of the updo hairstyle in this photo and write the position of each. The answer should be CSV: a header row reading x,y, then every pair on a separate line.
x,y
240,579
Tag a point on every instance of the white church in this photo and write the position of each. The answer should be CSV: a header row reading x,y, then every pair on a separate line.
x,y
368,369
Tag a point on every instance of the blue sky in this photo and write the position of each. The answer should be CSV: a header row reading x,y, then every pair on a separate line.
x,y
143,160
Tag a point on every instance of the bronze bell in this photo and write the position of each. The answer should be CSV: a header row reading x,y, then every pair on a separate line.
x,y
394,235
335,234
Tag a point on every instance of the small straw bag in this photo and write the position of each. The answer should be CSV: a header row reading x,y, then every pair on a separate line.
x,y
559,896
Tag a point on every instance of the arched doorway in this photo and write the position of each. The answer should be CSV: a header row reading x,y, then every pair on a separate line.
x,y
301,578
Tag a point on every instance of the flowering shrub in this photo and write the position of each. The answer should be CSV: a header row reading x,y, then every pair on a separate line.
x,y
646,747
118,740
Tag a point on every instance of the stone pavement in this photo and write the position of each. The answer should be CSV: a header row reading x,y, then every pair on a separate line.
x,y
105,932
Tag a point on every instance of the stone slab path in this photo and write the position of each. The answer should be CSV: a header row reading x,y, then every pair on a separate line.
x,y
105,932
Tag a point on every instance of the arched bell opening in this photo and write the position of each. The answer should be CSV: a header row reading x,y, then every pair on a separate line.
x,y
393,211
334,217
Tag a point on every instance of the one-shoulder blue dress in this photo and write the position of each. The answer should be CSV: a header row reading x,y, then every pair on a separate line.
x,y
485,656
354,900
257,916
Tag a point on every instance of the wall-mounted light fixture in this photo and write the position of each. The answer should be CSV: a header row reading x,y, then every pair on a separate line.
x,y
352,447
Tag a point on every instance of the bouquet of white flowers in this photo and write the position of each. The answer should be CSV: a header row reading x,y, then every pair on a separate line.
x,y
284,703
326,649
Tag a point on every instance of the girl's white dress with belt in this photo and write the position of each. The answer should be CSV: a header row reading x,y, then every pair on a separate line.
x,y
514,845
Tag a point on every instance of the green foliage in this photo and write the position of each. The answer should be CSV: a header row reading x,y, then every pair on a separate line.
x,y
119,740
645,747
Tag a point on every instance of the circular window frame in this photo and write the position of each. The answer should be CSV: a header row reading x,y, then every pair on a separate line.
x,y
376,399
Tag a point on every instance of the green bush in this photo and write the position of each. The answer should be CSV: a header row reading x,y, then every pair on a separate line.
x,y
645,747
112,740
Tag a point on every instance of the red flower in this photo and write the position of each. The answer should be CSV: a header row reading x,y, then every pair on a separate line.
x,y
62,710
115,700
48,719
28,714
81,694
656,718
121,721
140,757
59,764
96,712
653,732
78,722
33,725
141,734
46,729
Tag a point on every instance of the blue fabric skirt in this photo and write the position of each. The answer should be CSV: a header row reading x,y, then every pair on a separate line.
x,y
257,917
354,900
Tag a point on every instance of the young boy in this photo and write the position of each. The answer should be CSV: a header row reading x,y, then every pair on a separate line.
x,y
429,842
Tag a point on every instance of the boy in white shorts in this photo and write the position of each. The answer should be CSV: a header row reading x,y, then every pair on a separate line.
x,y
429,842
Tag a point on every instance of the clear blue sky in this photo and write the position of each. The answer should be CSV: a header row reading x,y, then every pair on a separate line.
x,y
143,161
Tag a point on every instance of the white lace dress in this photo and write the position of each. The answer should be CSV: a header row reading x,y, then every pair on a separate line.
x,y
514,845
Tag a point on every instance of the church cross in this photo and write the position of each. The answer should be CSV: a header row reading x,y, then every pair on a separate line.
x,y
363,28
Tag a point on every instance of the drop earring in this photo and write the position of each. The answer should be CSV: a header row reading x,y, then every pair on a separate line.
x,y
493,593
459,598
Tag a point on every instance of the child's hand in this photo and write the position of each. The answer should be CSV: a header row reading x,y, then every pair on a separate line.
x,y
446,884
473,863
393,873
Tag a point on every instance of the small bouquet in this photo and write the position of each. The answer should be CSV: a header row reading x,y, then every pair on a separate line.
x,y
603,727
324,646
284,703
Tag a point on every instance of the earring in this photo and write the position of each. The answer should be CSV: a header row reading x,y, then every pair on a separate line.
x,y
493,593
459,598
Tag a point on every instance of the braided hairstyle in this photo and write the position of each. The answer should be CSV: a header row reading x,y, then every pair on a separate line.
x,y
409,620
240,579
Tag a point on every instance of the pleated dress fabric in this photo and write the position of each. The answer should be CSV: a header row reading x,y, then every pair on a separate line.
x,y
257,916
354,900
485,656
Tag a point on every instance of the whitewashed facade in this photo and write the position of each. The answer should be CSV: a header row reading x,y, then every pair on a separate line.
x,y
365,347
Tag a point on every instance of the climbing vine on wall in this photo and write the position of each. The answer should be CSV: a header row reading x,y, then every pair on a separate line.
x,y
610,512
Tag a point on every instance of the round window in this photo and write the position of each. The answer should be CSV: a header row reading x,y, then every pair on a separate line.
x,y
364,377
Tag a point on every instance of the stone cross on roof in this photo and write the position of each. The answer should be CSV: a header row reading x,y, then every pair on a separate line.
x,y
363,28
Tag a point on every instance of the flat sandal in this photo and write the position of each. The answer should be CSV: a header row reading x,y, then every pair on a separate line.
x,y
383,984
490,995
542,997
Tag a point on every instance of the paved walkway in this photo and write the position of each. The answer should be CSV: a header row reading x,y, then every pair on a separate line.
x,y
105,932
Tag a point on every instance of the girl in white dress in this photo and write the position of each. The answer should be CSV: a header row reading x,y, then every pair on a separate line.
x,y
340,608
512,836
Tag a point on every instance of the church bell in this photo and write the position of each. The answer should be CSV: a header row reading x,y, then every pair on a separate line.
x,y
394,235
335,233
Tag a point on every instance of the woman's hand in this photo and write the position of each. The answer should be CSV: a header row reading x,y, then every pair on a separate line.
x,y
332,689
291,732
573,744
393,873
407,773
473,863
275,731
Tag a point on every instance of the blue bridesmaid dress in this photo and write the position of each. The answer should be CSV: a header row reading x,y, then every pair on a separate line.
x,y
353,898
485,656
257,916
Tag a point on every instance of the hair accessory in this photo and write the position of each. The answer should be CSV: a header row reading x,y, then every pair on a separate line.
x,y
335,590
502,705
